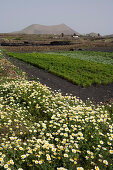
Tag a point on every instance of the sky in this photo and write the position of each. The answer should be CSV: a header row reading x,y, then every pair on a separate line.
x,y
84,16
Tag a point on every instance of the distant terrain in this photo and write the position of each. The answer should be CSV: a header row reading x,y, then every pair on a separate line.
x,y
43,29
54,38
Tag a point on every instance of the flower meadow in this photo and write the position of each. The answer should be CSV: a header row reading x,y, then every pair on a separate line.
x,y
43,130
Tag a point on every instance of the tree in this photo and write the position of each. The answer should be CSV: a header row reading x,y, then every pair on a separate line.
x,y
62,34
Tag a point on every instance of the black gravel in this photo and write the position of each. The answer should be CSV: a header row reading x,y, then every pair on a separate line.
x,y
97,94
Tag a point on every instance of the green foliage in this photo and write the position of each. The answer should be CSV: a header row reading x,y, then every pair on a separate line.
x,y
13,38
98,57
18,38
77,70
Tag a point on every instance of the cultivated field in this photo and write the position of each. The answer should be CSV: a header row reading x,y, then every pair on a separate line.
x,y
81,68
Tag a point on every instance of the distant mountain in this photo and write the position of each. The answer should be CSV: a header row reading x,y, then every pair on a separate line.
x,y
43,29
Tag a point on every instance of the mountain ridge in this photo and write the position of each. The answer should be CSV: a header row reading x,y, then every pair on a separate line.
x,y
47,29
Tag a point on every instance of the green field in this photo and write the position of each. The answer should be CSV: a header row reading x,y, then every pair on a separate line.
x,y
81,68
98,57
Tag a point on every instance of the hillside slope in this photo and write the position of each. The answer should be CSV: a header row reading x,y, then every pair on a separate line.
x,y
43,29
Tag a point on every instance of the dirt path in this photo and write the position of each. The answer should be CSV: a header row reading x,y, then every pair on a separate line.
x,y
95,93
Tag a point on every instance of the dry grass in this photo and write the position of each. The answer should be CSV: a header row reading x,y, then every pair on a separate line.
x,y
8,68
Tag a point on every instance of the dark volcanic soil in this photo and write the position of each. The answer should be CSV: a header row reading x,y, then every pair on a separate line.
x,y
94,93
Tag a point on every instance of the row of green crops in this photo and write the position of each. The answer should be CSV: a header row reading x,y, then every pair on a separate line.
x,y
98,57
78,71
42,130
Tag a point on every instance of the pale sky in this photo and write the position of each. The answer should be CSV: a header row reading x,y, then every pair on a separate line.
x,y
84,16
